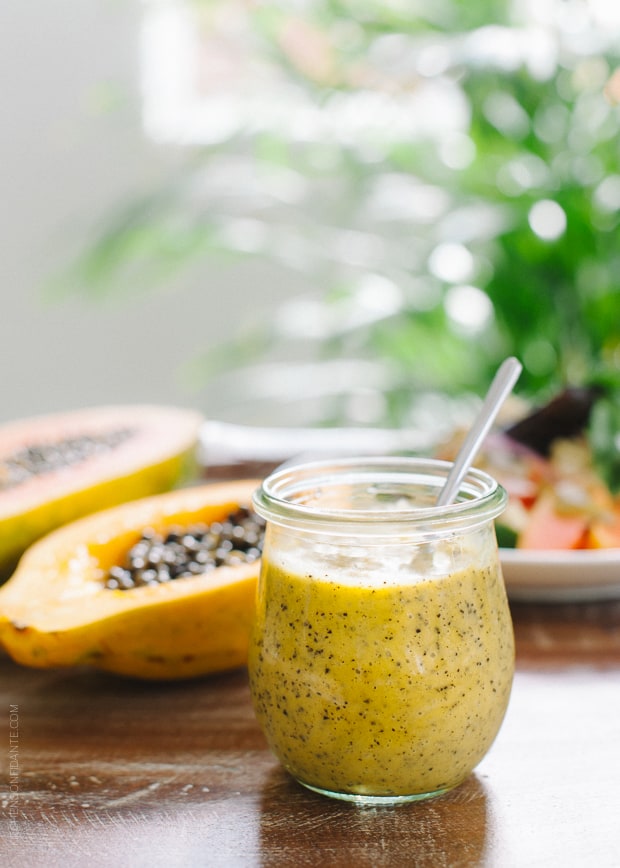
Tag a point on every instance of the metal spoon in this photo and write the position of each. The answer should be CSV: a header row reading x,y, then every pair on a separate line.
x,y
502,385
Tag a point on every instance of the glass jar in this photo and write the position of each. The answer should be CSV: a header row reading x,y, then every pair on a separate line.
x,y
382,655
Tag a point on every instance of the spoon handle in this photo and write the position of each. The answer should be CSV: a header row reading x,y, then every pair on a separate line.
x,y
503,383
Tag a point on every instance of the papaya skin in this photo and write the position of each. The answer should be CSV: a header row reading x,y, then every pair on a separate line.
x,y
19,531
171,461
55,611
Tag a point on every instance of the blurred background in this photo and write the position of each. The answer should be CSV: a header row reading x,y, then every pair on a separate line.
x,y
312,213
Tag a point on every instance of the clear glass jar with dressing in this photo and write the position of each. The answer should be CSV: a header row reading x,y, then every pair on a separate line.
x,y
382,655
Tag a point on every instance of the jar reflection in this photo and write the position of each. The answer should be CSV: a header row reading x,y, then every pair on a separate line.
x,y
455,829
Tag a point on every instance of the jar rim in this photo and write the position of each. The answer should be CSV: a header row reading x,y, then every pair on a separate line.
x,y
282,497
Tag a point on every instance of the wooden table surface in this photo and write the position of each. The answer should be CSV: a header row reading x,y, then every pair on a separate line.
x,y
114,772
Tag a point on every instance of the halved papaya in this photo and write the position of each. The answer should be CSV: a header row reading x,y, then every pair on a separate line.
x,y
57,611
56,468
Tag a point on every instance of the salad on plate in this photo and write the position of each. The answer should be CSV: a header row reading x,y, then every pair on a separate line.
x,y
560,465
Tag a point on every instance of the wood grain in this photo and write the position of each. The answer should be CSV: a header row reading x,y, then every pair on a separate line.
x,y
117,772
106,772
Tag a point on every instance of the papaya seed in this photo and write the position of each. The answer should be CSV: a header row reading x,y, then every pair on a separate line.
x,y
179,553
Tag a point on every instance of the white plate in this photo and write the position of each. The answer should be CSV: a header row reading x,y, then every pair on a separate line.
x,y
560,576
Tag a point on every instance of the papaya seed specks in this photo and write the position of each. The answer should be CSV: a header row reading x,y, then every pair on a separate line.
x,y
40,458
179,553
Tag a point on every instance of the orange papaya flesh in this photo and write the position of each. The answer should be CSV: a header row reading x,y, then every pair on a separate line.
x,y
108,455
56,611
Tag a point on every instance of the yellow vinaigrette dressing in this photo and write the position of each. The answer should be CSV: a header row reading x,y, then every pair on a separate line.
x,y
380,664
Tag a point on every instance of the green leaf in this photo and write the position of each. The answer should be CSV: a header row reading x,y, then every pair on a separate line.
x,y
604,436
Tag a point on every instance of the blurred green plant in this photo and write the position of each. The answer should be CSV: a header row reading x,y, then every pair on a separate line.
x,y
446,176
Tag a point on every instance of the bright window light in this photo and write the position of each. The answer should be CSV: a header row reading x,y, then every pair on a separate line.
x,y
469,309
451,262
547,219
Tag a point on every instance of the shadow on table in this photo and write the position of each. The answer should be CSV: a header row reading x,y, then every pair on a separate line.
x,y
300,828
